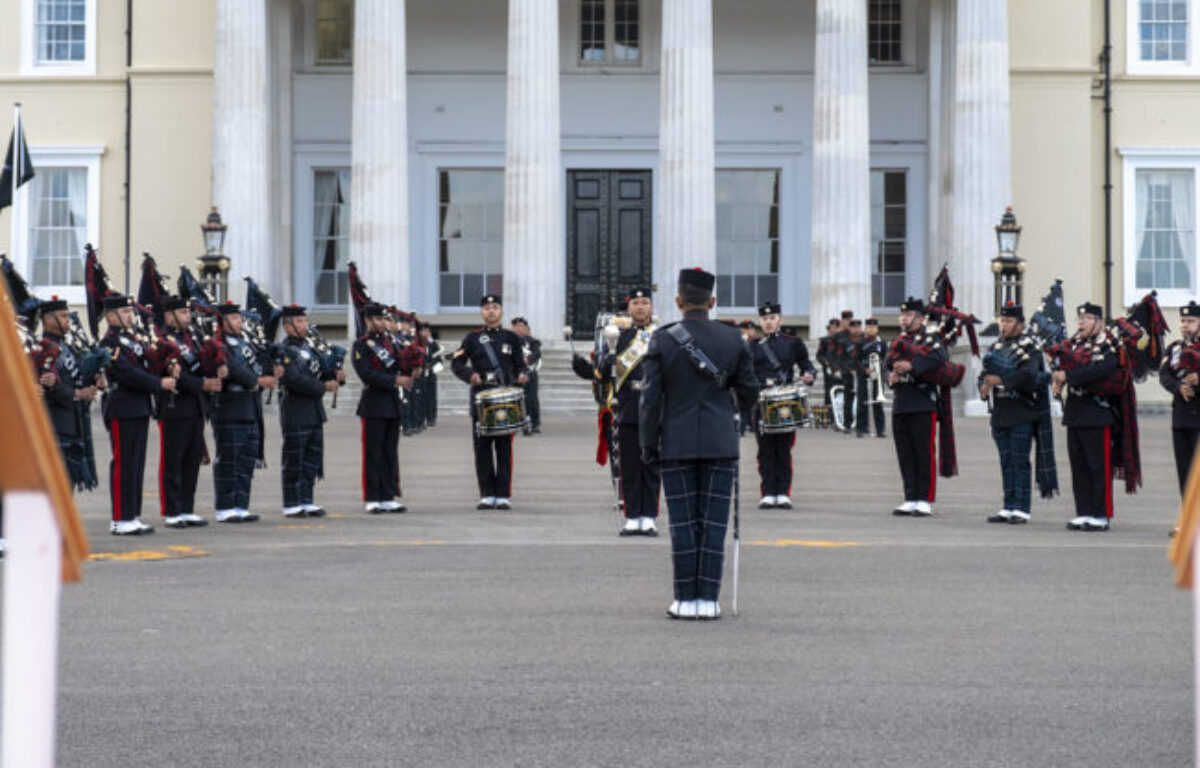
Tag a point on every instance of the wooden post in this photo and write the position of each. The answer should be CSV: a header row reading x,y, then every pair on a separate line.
x,y
46,543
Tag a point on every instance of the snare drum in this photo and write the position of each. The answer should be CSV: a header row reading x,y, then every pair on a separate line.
x,y
499,411
782,409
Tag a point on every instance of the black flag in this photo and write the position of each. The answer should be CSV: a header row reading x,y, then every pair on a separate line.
x,y
24,166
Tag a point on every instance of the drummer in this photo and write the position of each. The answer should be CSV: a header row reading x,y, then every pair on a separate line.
x,y
489,357
777,357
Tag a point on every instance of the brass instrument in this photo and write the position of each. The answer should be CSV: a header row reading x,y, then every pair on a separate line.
x,y
875,375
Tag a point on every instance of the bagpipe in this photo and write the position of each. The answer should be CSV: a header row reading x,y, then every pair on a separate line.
x,y
206,324
1049,323
953,321
162,354
1189,358
93,359
948,374
331,357
45,354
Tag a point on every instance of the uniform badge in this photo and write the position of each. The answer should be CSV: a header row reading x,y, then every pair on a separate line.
x,y
506,349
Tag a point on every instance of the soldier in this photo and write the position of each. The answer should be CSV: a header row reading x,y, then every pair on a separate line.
x,y
434,363
412,401
237,419
531,348
915,406
127,409
688,423
491,356
1009,381
849,368
377,361
181,422
302,414
865,386
825,354
776,357
67,395
1179,374
622,369
1089,418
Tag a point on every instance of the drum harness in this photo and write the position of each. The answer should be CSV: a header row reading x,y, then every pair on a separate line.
x,y
708,369
773,360
486,342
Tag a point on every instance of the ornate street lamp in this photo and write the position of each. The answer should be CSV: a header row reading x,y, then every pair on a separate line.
x,y
214,264
1007,267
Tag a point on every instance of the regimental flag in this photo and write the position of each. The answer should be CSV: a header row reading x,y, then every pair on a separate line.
x,y
17,165
1182,549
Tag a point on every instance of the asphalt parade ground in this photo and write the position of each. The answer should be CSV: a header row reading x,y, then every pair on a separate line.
x,y
536,637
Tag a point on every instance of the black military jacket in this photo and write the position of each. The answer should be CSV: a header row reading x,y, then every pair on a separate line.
x,y
912,394
189,401
1083,409
864,348
130,383
790,351
61,406
1016,402
628,397
471,357
685,414
302,387
240,399
376,363
1185,414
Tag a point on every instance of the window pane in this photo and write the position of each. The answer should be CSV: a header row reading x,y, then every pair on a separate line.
x,y
883,32
331,232
335,32
1163,30
471,240
58,230
60,29
747,216
1166,228
889,236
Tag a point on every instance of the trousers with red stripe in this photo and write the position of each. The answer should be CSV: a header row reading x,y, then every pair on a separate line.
x,y
915,437
775,463
1090,452
181,451
381,459
127,466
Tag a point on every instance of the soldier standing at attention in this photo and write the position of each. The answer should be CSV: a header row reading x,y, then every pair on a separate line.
x,y
866,387
622,368
488,357
127,410
237,420
688,426
1179,374
377,363
181,423
67,395
825,357
776,357
532,349
302,414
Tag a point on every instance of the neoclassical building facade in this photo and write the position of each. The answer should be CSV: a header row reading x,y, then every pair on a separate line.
x,y
829,154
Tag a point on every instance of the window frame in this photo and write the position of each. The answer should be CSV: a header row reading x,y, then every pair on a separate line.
x,y
904,42
726,302
309,62
83,156
438,170
907,172
1134,65
31,67
1166,159
610,37
312,271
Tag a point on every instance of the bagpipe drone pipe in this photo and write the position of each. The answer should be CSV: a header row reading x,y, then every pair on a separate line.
x,y
331,357
206,324
93,358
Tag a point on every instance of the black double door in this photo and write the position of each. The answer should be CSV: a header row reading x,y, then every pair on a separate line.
x,y
609,231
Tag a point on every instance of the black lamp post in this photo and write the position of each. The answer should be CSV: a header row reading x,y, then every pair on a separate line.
x,y
1007,267
214,264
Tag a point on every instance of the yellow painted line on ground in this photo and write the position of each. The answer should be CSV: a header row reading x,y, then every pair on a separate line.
x,y
802,543
170,553
293,526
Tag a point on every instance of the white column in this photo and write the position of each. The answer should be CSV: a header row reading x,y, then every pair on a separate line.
x,y
534,258
841,194
241,159
379,153
685,235
982,176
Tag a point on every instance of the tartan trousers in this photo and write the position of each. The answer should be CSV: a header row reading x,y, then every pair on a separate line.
x,y
1014,443
302,463
698,493
233,466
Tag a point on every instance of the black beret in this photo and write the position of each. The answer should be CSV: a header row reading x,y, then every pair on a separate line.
x,y
872,321
373,310
490,298
912,305
697,277
1191,309
769,308
1013,310
1088,308
117,300
55,304
641,292
294,310
229,308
